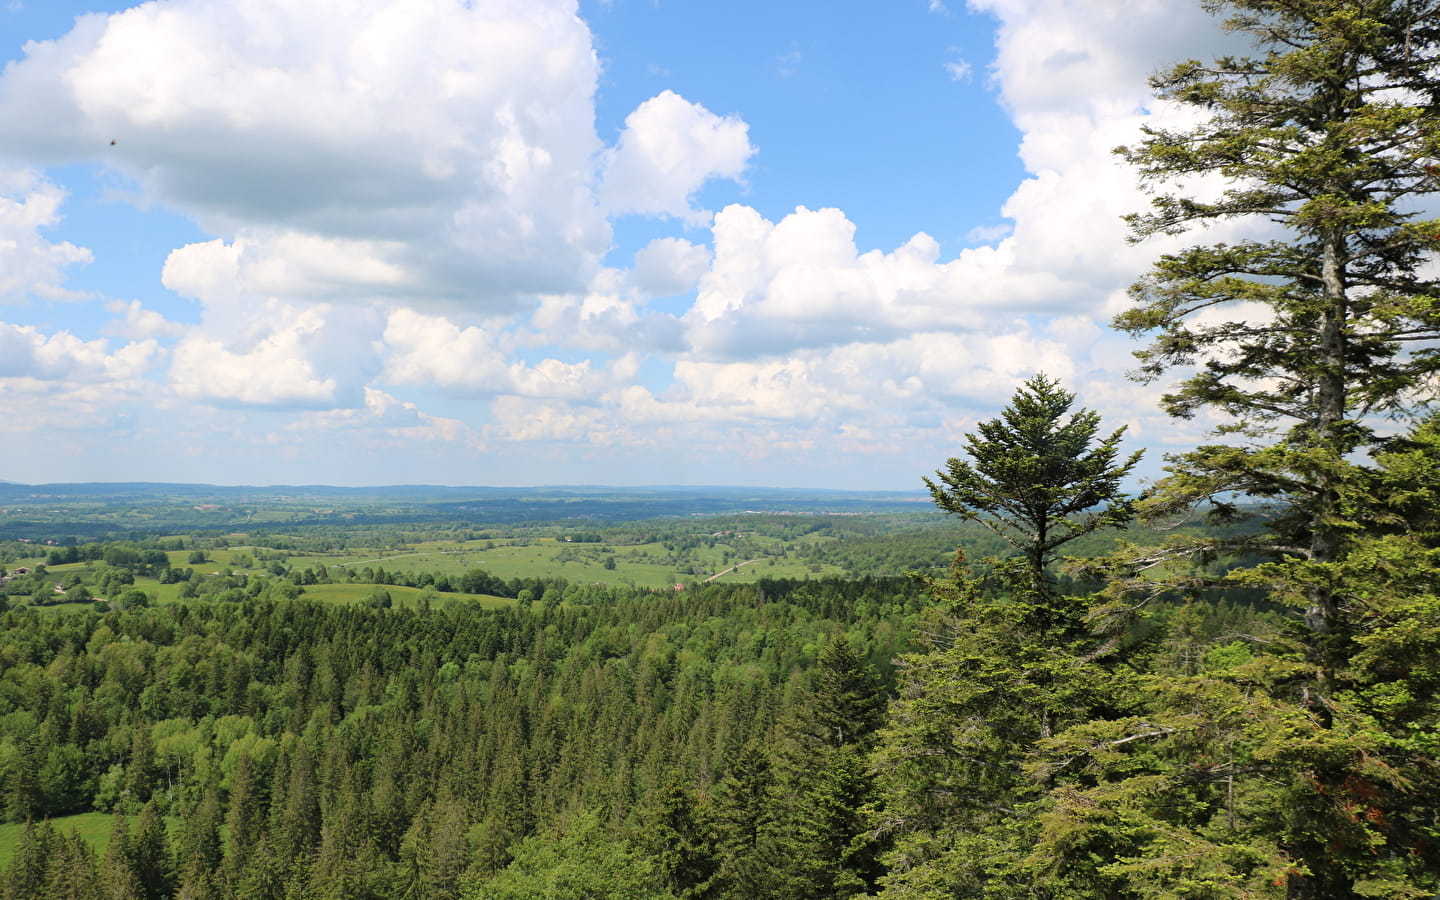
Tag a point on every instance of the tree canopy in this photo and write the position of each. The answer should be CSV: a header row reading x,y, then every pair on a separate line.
x,y
1038,476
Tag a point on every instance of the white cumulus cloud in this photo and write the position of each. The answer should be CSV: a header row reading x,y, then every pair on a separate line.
x,y
424,350
135,321
426,148
668,266
276,355
419,151
670,147
802,282
30,264
27,352
58,383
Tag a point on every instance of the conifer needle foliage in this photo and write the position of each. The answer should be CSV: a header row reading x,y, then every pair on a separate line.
x,y
1295,755
1037,476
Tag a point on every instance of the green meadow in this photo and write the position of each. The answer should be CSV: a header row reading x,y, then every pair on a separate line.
x,y
687,559
94,827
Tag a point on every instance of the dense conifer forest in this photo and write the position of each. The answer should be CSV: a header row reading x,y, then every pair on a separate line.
x,y
299,749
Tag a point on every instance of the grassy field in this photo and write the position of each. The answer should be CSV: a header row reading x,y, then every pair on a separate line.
x,y
328,593
399,596
732,557
642,565
93,827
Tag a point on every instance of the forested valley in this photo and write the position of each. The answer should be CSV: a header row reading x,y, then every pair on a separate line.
x,y
274,749
1222,684
585,740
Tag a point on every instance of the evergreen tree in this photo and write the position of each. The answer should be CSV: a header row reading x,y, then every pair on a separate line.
x,y
846,704
824,845
117,874
243,822
1038,478
675,838
198,880
433,853
263,877
71,873
299,817
954,762
744,815
827,849
201,838
1330,131
22,794
201,850
346,865
1000,675
387,796
1278,789
1279,769
1404,492
140,771
25,877
149,850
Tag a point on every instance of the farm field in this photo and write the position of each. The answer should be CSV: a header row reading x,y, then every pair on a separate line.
x,y
94,827
471,543
650,564
406,566
343,592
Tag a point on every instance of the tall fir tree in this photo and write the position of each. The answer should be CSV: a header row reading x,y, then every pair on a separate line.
x,y
674,836
1330,131
140,770
845,705
954,762
243,820
1279,773
1039,478
263,877
150,855
298,818
744,814
1229,780
1000,673
22,792
118,880
201,836
25,876
71,873
824,841
434,852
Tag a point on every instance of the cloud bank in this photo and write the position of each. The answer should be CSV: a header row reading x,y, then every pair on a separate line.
x,y
409,206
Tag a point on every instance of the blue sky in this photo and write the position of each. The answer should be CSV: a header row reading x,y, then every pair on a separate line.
x,y
534,242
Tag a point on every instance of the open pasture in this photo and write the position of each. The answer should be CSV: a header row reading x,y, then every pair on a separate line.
x,y
400,596
94,827
653,564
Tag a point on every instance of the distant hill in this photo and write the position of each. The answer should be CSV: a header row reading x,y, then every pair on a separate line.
x,y
159,491
88,510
